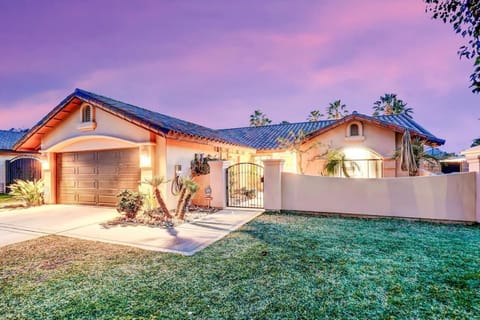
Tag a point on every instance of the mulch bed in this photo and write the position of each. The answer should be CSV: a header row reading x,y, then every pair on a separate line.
x,y
155,218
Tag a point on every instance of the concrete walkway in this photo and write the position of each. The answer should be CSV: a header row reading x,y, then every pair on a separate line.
x,y
85,222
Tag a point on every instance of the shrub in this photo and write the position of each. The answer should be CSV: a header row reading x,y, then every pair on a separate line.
x,y
199,165
31,192
130,203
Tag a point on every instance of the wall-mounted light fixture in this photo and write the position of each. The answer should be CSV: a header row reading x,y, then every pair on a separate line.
x,y
145,156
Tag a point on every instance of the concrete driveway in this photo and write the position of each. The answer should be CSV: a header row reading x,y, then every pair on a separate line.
x,y
85,222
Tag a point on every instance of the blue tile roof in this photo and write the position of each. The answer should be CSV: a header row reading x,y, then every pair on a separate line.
x,y
266,137
9,138
260,138
154,120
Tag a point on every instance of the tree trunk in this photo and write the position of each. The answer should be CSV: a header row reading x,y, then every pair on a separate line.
x,y
162,204
180,199
184,206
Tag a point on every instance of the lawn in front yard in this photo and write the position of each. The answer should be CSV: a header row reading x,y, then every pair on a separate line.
x,y
279,266
7,201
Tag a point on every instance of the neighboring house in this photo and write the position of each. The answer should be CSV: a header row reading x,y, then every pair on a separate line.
x,y
95,146
16,164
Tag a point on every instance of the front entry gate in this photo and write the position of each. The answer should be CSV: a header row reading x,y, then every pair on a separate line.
x,y
245,185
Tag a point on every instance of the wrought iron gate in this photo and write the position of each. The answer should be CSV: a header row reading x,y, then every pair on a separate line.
x,y
22,168
245,185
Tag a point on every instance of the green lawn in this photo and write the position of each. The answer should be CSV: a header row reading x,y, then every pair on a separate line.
x,y
5,198
279,266
8,202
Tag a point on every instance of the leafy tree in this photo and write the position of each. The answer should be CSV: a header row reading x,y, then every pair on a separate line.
x,y
258,118
336,110
314,115
476,142
296,142
464,16
389,104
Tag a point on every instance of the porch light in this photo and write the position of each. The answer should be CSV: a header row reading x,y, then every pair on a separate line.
x,y
145,157
45,164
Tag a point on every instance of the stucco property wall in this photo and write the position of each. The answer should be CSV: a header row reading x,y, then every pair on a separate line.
x,y
182,153
448,197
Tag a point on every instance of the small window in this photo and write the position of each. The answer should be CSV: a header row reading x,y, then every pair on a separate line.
x,y
354,130
87,114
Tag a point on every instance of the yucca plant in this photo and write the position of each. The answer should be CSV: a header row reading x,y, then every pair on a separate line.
x,y
31,192
155,182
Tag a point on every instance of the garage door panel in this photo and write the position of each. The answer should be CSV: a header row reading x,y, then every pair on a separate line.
x,y
86,184
96,177
105,170
85,198
105,200
85,157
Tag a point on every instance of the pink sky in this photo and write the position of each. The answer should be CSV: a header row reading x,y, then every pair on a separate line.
x,y
214,62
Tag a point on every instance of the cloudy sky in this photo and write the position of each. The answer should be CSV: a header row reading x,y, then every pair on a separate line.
x,y
214,62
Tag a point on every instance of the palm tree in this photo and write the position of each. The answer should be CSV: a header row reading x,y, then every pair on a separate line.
x,y
419,154
389,104
335,162
155,182
476,142
191,187
336,110
314,115
258,118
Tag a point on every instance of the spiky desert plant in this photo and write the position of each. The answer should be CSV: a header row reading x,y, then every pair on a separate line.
x,y
155,182
336,162
192,188
31,192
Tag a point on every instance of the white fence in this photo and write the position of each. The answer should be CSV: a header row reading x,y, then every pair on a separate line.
x,y
447,197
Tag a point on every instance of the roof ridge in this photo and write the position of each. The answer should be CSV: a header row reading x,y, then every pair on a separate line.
x,y
276,124
142,108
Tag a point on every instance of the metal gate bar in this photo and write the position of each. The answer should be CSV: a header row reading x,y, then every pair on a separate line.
x,y
245,185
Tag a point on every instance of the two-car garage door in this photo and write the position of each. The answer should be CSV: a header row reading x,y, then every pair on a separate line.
x,y
95,177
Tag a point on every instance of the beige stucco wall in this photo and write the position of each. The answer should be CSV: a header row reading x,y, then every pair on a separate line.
x,y
182,153
380,140
448,197
107,125
3,158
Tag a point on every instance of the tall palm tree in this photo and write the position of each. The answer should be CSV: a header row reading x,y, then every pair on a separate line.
x,y
336,110
389,104
314,115
476,142
419,155
258,118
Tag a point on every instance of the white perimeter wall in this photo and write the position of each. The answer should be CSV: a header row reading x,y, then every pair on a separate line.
x,y
446,197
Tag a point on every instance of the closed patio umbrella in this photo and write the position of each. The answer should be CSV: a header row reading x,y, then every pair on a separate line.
x,y
407,157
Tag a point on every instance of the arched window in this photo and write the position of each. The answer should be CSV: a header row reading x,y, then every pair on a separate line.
x,y
354,130
87,114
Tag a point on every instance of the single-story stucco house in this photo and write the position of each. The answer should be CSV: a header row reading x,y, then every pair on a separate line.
x,y
16,164
93,146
